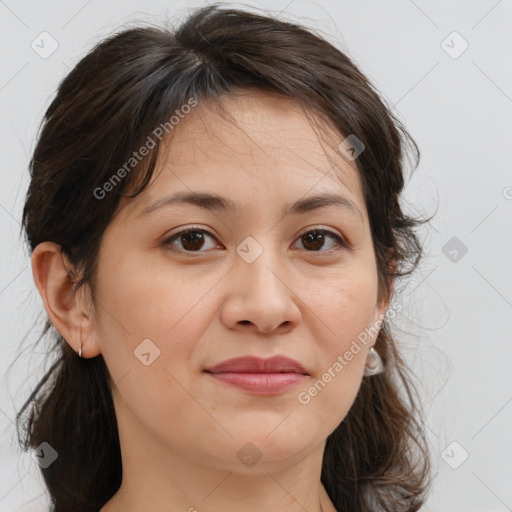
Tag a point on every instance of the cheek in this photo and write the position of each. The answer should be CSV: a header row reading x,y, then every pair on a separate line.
x,y
347,308
144,302
150,301
141,303
345,312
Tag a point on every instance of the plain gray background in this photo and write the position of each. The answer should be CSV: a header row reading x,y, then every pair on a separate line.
x,y
455,101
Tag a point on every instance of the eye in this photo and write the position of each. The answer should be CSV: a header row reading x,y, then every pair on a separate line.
x,y
193,239
315,239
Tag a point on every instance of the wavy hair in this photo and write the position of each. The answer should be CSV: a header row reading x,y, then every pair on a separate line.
x,y
104,110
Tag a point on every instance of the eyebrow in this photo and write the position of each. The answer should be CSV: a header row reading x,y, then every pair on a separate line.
x,y
222,204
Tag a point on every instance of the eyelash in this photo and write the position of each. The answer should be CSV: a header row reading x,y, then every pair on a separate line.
x,y
314,229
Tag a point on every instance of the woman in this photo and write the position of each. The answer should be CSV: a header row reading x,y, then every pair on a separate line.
x,y
215,229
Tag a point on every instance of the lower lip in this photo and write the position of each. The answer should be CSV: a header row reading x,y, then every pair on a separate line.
x,y
260,383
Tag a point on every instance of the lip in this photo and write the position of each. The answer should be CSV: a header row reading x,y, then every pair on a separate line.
x,y
257,375
253,364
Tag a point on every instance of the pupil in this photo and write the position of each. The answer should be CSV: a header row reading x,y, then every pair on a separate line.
x,y
195,237
316,238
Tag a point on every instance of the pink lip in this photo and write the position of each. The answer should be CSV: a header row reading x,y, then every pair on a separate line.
x,y
260,376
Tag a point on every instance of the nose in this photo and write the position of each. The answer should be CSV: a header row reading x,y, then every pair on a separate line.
x,y
261,296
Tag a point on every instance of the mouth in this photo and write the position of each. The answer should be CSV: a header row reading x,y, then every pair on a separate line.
x,y
259,376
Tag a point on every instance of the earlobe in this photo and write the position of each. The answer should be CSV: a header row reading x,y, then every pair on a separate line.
x,y
65,309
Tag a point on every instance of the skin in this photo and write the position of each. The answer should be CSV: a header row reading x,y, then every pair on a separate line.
x,y
180,429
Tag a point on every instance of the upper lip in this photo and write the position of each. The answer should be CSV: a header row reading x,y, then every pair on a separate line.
x,y
252,364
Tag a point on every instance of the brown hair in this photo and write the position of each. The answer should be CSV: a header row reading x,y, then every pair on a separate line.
x,y
107,106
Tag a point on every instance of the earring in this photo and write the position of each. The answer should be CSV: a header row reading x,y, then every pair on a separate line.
x,y
374,364
80,351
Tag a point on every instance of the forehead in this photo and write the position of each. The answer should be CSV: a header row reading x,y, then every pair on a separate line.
x,y
258,129
253,140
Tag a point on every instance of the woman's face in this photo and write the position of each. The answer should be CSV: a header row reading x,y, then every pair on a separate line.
x,y
246,282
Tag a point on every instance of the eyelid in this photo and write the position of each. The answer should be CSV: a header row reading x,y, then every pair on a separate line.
x,y
320,227
186,229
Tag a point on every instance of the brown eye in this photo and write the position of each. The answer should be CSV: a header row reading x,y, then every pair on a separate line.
x,y
191,240
195,239
315,239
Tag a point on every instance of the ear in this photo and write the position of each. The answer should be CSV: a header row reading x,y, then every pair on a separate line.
x,y
65,307
383,302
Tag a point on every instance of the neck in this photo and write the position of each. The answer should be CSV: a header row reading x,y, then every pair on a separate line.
x,y
184,486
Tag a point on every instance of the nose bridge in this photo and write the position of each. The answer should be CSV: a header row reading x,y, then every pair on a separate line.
x,y
259,288
259,262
